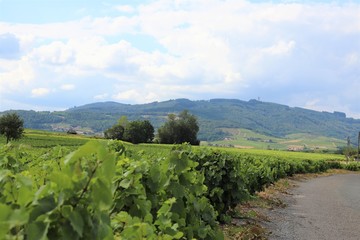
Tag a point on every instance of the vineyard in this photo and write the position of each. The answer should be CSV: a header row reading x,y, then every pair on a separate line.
x,y
61,187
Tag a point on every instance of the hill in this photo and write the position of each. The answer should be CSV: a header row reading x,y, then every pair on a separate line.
x,y
247,139
215,117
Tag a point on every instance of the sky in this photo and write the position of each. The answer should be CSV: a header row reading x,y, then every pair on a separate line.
x,y
59,54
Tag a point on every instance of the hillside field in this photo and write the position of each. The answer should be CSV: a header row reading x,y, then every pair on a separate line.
x,y
39,139
247,139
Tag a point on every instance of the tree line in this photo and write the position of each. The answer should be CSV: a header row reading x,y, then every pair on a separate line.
x,y
177,129
138,131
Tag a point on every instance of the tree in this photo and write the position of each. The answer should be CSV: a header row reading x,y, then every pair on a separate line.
x,y
123,121
11,126
139,132
179,129
115,132
131,131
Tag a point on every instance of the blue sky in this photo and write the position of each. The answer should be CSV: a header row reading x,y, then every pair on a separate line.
x,y
59,54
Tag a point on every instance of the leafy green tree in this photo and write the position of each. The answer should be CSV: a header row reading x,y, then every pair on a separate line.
x,y
166,133
179,129
131,131
115,132
11,126
123,121
139,132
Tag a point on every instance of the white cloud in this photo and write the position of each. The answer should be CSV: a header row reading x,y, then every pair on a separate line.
x,y
39,92
67,87
54,53
15,75
331,104
136,96
127,95
280,48
125,8
101,96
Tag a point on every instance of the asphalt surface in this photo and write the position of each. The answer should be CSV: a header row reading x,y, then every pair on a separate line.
x,y
320,208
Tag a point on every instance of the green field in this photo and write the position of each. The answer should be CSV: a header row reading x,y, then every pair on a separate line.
x,y
45,139
59,186
243,138
287,154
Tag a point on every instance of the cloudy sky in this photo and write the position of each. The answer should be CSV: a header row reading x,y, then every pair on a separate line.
x,y
56,54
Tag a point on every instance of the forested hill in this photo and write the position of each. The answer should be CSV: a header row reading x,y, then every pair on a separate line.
x,y
213,115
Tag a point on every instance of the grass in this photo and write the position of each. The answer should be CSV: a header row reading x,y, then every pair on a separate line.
x,y
287,154
155,150
160,149
243,138
45,139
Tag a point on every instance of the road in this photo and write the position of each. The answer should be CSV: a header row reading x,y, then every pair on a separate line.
x,y
320,208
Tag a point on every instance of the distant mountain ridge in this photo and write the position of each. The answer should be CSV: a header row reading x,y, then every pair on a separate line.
x,y
214,115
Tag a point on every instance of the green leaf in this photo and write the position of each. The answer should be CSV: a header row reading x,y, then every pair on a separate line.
x,y
4,174
83,151
4,228
101,195
77,222
44,205
66,210
18,217
105,232
62,180
140,208
37,231
69,157
25,195
203,231
125,183
108,162
90,147
5,212
177,189
179,161
123,217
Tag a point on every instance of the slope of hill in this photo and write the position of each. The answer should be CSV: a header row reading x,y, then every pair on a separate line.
x,y
247,139
215,116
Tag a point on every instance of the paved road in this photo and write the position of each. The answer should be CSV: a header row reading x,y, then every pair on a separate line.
x,y
320,208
